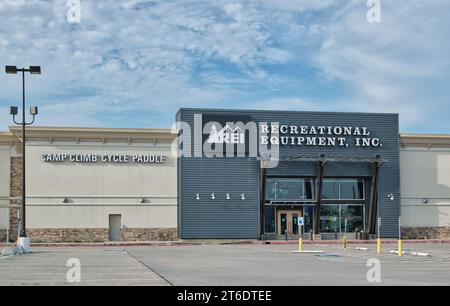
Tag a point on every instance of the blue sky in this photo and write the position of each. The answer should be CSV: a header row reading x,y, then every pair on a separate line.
x,y
133,63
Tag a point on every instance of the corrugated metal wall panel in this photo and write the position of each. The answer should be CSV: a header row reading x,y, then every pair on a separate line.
x,y
219,218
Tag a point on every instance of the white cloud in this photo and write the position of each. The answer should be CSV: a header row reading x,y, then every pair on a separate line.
x,y
151,57
138,55
301,5
390,66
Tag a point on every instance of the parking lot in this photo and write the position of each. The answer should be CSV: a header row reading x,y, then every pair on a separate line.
x,y
236,265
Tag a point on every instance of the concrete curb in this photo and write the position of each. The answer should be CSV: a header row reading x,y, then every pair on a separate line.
x,y
218,242
334,242
110,244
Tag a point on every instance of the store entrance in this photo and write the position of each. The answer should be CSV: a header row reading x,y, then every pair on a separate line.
x,y
287,223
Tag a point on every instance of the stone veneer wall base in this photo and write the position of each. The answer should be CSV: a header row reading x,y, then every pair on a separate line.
x,y
3,235
426,233
74,235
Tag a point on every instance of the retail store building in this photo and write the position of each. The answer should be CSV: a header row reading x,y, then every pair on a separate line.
x,y
335,171
339,171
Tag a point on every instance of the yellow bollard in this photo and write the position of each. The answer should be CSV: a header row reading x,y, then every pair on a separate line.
x,y
379,246
400,248
300,245
345,243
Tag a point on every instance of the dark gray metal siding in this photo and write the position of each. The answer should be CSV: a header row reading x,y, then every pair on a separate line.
x,y
240,219
219,218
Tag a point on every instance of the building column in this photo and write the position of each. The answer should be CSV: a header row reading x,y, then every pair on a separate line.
x,y
373,207
15,208
319,186
262,197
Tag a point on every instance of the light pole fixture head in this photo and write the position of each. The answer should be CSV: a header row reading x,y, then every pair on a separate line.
x,y
35,69
13,110
11,69
34,110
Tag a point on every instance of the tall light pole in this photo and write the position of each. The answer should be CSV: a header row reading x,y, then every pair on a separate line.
x,y
23,240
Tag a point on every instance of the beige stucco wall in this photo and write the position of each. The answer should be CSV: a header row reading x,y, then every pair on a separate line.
x,y
425,175
94,191
5,153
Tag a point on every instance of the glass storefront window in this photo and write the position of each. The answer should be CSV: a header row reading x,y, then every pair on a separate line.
x,y
330,189
269,219
354,216
289,189
309,189
343,189
308,215
329,219
351,189
332,218
271,189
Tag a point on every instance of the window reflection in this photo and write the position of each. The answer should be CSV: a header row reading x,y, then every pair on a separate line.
x,y
269,219
329,219
343,189
351,189
289,189
309,187
271,189
333,217
330,189
354,216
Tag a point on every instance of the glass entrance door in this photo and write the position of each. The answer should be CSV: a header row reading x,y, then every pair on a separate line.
x,y
288,222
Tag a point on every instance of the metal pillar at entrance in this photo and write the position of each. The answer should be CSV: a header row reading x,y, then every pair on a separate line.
x,y
319,186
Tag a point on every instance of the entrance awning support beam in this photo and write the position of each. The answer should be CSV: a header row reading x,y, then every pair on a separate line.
x,y
319,186
373,207
262,197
